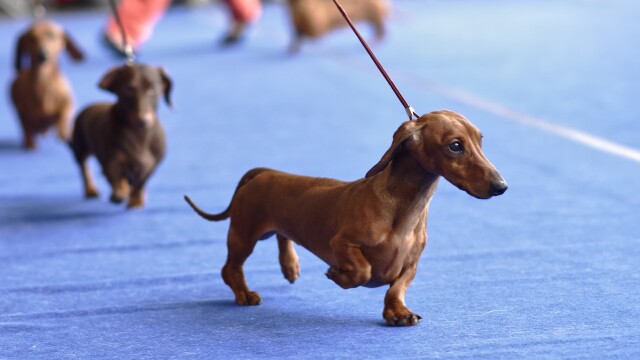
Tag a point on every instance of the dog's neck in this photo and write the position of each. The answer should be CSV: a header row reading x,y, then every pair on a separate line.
x,y
410,189
41,79
120,113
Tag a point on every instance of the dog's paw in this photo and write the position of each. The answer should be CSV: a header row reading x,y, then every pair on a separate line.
x,y
132,205
29,144
404,320
116,199
332,273
136,201
348,279
397,314
290,268
339,277
248,298
291,273
91,193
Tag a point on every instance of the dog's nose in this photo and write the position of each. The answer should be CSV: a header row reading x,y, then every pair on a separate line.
x,y
498,187
41,56
147,117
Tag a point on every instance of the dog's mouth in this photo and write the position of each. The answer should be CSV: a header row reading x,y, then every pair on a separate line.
x,y
141,125
476,192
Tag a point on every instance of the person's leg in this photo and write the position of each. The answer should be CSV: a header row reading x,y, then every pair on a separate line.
x,y
139,17
243,12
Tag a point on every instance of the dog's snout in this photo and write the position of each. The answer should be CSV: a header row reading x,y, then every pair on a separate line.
x,y
147,117
498,187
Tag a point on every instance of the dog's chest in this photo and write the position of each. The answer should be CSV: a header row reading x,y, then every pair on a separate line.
x,y
43,99
138,164
390,258
137,157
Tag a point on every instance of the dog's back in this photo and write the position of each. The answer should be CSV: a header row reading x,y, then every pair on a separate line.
x,y
313,18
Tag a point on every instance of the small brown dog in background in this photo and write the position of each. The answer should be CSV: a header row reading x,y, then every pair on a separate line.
x,y
371,232
40,92
126,136
314,18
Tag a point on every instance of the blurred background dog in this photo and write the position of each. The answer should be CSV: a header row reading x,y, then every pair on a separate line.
x,y
314,18
40,92
125,136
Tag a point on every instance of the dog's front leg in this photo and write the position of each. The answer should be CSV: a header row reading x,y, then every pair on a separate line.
x,y
90,188
137,197
29,142
115,174
352,269
395,311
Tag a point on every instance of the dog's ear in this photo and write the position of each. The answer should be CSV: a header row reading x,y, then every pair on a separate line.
x,y
409,129
72,48
167,85
21,47
110,79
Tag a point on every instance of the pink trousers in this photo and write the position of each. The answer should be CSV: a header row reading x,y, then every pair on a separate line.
x,y
139,17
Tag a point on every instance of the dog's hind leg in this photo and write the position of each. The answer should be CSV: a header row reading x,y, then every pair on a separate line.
x,y
288,259
239,247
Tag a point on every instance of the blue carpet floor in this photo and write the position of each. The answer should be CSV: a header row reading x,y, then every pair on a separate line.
x,y
549,270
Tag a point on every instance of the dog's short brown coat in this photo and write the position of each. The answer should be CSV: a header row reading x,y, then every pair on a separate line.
x,y
40,93
315,18
371,231
126,137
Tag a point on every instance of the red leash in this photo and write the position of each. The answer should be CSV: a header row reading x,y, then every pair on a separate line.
x,y
409,110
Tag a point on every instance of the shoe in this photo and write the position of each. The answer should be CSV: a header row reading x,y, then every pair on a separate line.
x,y
231,39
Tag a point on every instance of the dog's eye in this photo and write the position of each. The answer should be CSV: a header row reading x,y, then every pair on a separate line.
x,y
456,147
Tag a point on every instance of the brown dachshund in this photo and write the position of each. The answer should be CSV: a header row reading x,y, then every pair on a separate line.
x,y
126,137
314,18
371,231
40,93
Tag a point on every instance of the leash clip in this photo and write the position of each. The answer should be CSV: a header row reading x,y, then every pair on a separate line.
x,y
126,47
411,113
129,55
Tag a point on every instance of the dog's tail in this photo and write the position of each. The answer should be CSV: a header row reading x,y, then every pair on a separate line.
x,y
227,213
